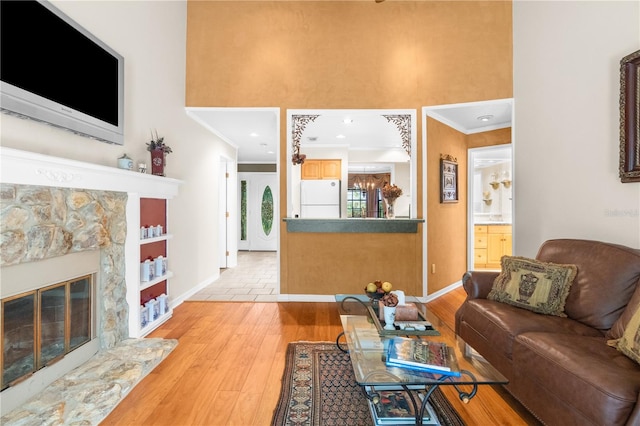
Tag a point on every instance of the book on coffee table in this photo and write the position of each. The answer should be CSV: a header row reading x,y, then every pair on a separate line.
x,y
422,355
394,407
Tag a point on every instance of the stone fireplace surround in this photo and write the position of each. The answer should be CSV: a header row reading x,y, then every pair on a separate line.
x,y
113,232
43,226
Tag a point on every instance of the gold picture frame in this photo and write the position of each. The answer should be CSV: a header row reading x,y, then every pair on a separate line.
x,y
448,179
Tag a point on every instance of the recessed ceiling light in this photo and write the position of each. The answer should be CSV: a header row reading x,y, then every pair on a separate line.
x,y
253,134
348,120
485,117
341,136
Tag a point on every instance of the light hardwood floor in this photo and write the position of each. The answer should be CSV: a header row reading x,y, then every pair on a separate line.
x,y
227,367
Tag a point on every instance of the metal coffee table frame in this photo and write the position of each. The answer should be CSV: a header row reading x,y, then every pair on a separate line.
x,y
367,349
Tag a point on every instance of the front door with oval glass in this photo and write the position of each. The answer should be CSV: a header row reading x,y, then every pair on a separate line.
x,y
258,194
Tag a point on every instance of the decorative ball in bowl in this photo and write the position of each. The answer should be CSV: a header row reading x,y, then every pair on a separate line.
x,y
377,289
374,295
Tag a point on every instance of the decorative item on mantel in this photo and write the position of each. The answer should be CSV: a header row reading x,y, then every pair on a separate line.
x,y
158,150
125,162
391,194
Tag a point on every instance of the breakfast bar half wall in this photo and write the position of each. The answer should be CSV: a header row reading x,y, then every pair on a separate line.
x,y
331,256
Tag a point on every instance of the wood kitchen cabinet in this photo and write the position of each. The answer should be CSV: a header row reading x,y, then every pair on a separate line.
x,y
321,169
499,243
491,242
480,247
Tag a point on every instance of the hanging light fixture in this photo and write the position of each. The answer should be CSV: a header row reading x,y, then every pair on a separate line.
x,y
356,182
371,183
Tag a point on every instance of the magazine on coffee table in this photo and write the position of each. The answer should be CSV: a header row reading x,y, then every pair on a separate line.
x,y
422,355
394,407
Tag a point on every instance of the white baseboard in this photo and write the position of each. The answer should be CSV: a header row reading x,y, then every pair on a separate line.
x,y
301,297
332,298
184,296
306,298
440,292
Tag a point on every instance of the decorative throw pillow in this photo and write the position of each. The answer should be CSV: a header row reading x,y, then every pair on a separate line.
x,y
540,287
629,343
617,329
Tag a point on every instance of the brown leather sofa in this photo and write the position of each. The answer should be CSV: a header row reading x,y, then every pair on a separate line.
x,y
561,369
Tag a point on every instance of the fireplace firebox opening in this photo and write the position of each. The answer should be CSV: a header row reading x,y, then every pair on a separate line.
x,y
41,326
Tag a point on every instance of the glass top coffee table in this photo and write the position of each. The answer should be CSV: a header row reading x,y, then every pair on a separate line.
x,y
366,341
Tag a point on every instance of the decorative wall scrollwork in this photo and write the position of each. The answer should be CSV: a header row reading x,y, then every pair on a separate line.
x,y
299,124
403,123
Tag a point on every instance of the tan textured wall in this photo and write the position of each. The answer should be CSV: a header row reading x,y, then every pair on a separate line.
x,y
386,257
447,223
348,54
494,137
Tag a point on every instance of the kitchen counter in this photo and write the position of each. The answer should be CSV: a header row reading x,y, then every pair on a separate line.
x,y
353,225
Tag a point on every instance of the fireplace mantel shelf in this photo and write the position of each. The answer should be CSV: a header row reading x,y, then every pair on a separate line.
x,y
29,168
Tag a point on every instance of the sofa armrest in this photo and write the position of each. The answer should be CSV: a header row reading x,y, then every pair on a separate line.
x,y
478,284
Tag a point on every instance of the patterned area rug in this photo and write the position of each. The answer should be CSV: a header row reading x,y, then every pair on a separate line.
x,y
319,389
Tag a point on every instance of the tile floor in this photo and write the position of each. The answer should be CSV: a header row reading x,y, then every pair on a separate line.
x,y
255,279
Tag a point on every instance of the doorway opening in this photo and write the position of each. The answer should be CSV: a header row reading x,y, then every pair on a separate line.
x,y
490,195
469,119
258,200
255,134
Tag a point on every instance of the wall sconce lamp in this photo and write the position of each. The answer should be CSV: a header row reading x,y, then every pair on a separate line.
x,y
505,179
486,197
494,181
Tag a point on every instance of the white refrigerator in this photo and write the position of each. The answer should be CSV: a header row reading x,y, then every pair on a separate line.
x,y
319,199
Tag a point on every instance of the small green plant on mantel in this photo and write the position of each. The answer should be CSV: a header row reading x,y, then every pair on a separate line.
x,y
157,143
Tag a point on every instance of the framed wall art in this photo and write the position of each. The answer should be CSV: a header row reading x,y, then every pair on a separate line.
x,y
448,179
630,118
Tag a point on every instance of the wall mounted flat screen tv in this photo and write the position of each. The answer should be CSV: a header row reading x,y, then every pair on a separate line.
x,y
53,70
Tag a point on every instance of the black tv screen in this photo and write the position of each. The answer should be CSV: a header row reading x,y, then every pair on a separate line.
x,y
53,70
